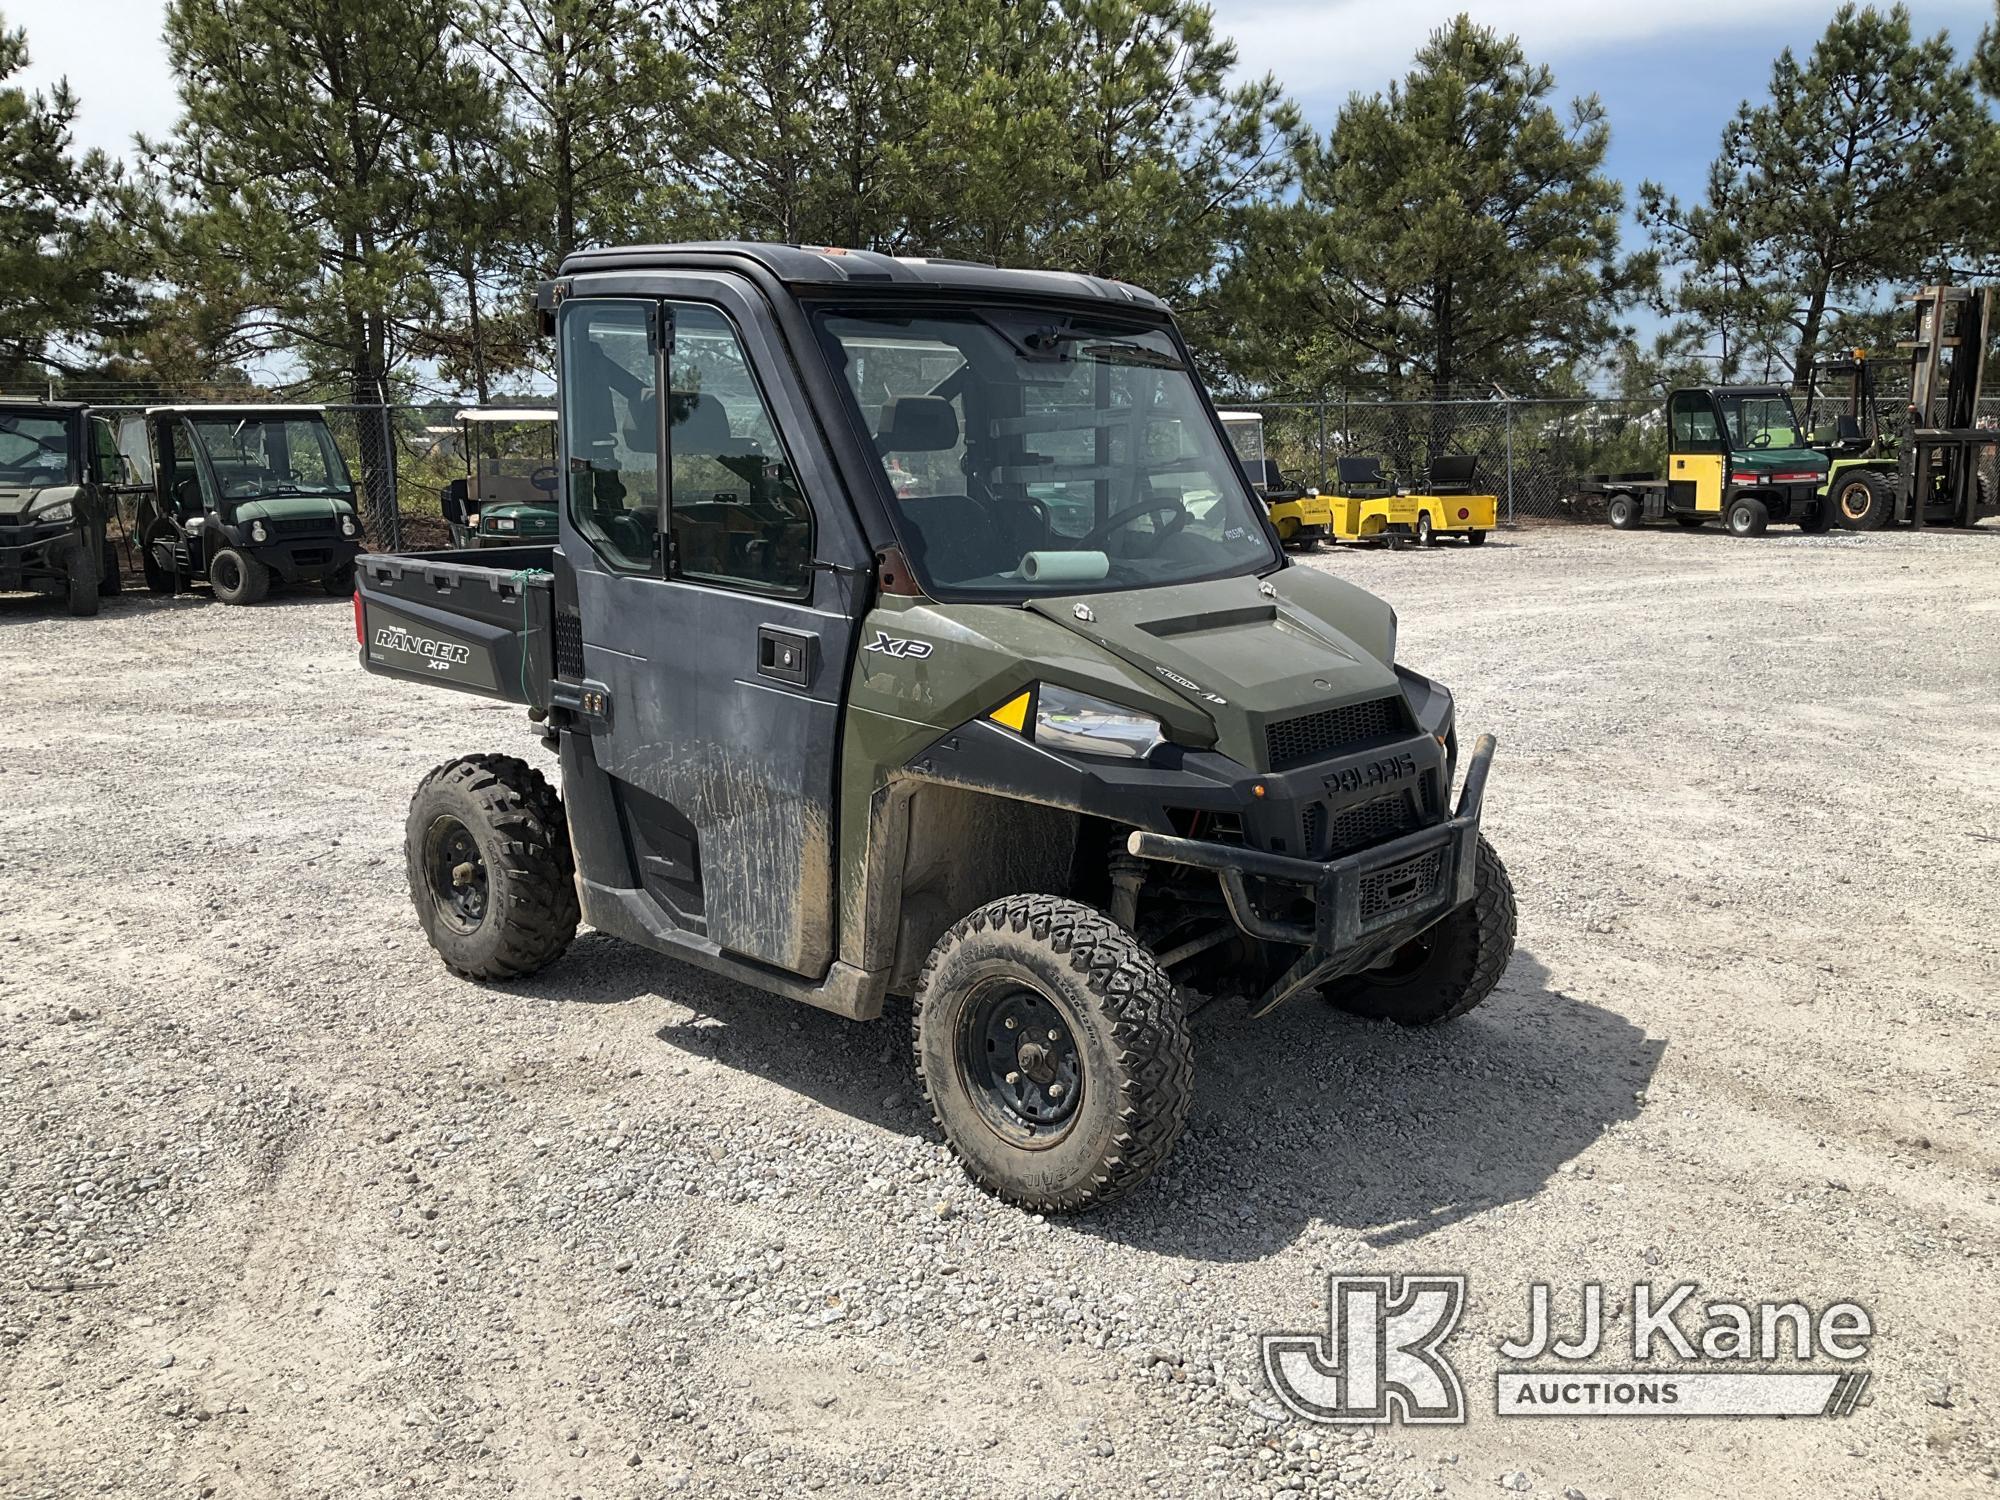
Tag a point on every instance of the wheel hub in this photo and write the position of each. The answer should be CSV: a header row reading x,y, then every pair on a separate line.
x,y
457,874
1021,1062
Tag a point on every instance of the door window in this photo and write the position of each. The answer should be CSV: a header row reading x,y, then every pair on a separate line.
x,y
611,422
1695,427
739,516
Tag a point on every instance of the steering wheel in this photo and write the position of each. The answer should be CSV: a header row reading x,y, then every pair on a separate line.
x,y
1176,512
1762,439
544,479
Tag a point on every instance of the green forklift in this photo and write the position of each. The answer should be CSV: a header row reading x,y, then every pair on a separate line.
x,y
507,496
1938,473
1735,454
237,497
57,468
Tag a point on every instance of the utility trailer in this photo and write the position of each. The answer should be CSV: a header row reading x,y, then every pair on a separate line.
x,y
1059,759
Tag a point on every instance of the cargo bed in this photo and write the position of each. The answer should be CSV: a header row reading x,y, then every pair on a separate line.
x,y
480,620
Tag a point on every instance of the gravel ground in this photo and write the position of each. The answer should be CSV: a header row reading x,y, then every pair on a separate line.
x,y
291,1211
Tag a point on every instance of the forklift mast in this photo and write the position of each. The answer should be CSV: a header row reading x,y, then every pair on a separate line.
x,y
1954,326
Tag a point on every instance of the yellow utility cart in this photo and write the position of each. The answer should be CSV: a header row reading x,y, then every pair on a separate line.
x,y
1300,514
1368,508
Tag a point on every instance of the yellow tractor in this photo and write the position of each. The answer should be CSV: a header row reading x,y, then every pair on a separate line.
x,y
1367,507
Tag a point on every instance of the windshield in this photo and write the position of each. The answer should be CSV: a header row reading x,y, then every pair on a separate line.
x,y
1035,453
34,450
1760,421
512,463
258,456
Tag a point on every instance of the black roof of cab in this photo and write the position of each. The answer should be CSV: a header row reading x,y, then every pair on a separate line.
x,y
822,266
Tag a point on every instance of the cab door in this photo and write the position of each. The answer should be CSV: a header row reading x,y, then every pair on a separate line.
x,y
717,577
1698,453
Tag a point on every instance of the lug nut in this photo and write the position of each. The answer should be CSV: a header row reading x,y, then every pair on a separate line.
x,y
1013,1077
1012,1023
1055,1036
1055,1091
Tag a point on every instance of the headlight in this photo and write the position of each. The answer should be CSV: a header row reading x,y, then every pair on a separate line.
x,y
258,533
505,523
48,515
348,525
1067,720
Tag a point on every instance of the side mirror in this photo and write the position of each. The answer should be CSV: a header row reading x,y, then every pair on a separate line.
x,y
451,501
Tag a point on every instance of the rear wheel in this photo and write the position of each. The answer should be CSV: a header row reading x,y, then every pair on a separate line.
x,y
1817,517
491,872
1748,517
109,582
1863,501
1054,1052
1623,512
1445,972
1475,539
237,578
160,578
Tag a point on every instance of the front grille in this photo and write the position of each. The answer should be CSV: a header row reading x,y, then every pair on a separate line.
x,y
569,644
1388,891
1316,830
1314,736
1371,823
300,526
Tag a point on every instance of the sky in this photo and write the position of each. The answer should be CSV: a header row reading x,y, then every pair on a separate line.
x,y
1670,75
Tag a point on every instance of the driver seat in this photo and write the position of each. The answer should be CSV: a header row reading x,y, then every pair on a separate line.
x,y
954,537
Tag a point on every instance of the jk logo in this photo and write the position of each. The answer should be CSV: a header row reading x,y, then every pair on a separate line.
x,y
1379,1358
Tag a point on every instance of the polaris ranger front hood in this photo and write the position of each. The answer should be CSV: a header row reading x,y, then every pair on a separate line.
x,y
1247,652
26,497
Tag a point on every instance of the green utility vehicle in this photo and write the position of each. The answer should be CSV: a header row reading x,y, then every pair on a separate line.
x,y
507,496
56,470
235,496
847,706
1735,454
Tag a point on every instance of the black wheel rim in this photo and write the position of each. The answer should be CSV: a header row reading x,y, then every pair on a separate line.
x,y
1020,1062
224,574
457,874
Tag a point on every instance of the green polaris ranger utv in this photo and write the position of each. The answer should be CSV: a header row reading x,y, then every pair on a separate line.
x,y
912,631
56,469
235,496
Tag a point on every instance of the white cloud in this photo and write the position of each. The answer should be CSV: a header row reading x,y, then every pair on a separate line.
x,y
1323,50
112,54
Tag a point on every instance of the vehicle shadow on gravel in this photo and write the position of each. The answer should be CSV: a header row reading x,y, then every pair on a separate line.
x,y
1307,1117
1313,1118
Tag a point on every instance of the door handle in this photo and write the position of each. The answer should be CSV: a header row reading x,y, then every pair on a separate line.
x,y
786,655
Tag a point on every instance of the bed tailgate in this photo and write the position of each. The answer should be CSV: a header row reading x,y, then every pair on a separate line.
x,y
475,621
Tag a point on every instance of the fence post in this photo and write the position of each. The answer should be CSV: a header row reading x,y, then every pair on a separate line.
x,y
378,475
1507,406
1322,439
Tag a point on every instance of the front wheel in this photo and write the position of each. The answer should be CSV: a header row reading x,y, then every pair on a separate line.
x,y
1863,500
237,578
491,872
1748,517
1426,533
339,582
1054,1051
1443,973
110,583
83,582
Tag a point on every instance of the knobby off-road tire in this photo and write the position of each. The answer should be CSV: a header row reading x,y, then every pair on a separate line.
x,y
237,578
1122,1065
159,580
339,582
110,582
490,868
82,581
1448,970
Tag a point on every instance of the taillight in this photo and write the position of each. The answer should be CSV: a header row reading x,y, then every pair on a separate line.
x,y
1464,514
359,638
1746,478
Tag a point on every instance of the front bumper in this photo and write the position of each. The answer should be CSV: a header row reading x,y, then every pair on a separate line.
x,y
30,552
296,558
1365,905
